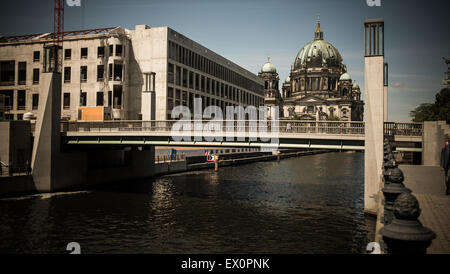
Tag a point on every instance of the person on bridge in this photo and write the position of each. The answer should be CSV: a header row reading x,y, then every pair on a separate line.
x,y
445,163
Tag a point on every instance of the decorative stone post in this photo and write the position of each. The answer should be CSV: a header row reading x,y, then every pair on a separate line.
x,y
390,164
391,191
406,234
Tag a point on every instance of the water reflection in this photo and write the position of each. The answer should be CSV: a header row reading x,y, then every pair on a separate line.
x,y
310,204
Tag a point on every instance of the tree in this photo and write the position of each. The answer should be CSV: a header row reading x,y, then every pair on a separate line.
x,y
333,118
440,109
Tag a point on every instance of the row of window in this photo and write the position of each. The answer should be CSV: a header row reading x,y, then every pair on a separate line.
x,y
115,73
176,97
188,79
114,99
8,73
314,83
21,99
84,52
189,58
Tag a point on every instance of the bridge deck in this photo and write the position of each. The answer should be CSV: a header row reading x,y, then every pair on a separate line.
x,y
287,134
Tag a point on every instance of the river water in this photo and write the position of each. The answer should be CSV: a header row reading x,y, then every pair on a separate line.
x,y
309,204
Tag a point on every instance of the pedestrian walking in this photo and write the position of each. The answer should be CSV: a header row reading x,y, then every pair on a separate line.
x,y
445,163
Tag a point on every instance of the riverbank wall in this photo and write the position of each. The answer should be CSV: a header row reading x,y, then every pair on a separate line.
x,y
199,162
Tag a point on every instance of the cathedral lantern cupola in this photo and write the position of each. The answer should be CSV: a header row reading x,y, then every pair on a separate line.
x,y
272,96
345,85
270,76
356,91
318,33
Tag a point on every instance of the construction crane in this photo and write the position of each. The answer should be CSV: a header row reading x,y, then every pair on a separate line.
x,y
58,22
52,56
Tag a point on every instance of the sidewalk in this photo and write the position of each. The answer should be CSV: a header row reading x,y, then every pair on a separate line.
x,y
427,184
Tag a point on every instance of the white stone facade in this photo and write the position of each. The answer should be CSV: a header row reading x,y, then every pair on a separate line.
x,y
106,67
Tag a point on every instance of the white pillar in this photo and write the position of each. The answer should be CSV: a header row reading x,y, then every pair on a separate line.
x,y
374,123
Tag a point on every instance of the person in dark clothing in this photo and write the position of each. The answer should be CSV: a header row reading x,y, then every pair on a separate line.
x,y
445,163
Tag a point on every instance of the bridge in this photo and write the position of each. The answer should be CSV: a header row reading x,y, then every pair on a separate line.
x,y
339,135
73,154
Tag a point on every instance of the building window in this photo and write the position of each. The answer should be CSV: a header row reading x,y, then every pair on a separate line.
x,y
110,71
84,53
109,98
111,50
185,75
8,101
100,72
170,77
100,98
36,76
22,73
35,101
178,76
83,99
36,56
191,79
66,102
67,54
119,50
83,73
100,52
203,84
197,81
118,72
7,73
67,74
170,98
21,99
117,97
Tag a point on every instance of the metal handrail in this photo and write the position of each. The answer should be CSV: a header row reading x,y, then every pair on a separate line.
x,y
284,126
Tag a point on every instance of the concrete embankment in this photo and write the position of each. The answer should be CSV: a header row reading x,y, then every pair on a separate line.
x,y
199,162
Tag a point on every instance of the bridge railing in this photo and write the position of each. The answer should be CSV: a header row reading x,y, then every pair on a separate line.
x,y
283,126
403,129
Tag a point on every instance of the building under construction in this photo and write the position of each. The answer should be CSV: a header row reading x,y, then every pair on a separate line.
x,y
116,73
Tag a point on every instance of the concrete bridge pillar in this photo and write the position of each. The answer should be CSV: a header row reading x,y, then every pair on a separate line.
x,y
55,170
374,111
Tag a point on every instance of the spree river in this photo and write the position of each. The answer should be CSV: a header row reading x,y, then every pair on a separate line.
x,y
309,204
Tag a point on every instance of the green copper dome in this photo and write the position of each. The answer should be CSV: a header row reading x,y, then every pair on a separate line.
x,y
345,76
355,85
268,67
288,79
318,53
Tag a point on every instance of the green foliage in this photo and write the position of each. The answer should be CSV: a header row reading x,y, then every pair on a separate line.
x,y
333,118
440,110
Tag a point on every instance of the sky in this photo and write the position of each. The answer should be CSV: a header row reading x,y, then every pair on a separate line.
x,y
247,31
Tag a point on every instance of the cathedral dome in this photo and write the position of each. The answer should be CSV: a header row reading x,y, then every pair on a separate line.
x,y
355,85
345,76
268,67
288,79
318,53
